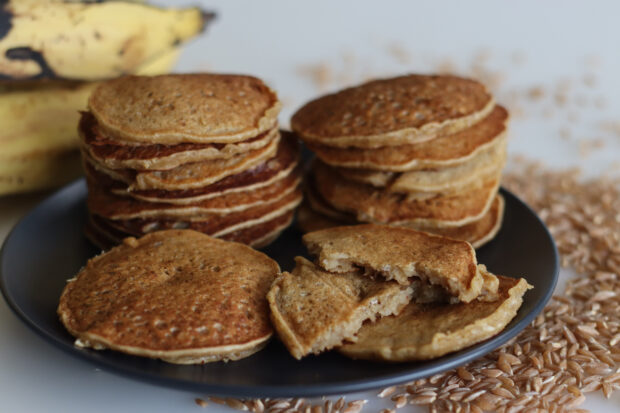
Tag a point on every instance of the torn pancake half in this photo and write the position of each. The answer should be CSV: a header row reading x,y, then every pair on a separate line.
x,y
313,310
426,331
399,254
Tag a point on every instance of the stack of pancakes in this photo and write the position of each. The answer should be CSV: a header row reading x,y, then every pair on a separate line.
x,y
198,151
424,152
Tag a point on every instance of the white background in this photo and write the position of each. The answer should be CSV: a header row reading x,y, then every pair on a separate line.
x,y
555,64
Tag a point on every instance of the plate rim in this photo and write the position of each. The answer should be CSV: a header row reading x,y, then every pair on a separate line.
x,y
439,365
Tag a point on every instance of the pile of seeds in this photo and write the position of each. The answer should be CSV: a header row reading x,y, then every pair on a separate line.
x,y
572,348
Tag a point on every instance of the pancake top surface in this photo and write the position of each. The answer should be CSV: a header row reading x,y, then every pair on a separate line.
x,y
388,105
398,253
185,108
171,290
423,331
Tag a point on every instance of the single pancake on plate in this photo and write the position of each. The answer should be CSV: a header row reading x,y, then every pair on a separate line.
x,y
177,295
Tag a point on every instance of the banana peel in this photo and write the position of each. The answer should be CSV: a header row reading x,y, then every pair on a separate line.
x,y
38,138
39,171
89,41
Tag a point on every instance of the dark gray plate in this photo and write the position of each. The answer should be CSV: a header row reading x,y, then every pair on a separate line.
x,y
47,247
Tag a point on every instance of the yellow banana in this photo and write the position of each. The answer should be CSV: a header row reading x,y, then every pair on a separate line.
x,y
88,41
39,172
38,138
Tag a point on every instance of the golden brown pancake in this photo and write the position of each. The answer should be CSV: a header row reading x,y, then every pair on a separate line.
x,y
263,174
425,331
313,310
261,234
171,109
199,174
477,233
440,152
216,225
256,236
438,180
318,204
118,154
112,206
399,254
179,296
191,175
371,205
396,111
309,220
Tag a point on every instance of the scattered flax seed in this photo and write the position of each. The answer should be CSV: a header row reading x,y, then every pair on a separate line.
x,y
611,127
464,374
446,66
217,400
399,53
536,93
321,75
387,392
399,401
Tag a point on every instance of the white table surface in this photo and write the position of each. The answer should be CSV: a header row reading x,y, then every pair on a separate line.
x,y
545,53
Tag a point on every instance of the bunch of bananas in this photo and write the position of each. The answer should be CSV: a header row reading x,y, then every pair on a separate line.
x,y
52,53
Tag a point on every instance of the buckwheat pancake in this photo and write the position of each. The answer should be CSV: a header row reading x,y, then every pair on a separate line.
x,y
313,310
265,173
318,204
440,152
435,180
179,296
426,331
216,225
118,154
100,237
188,176
371,205
396,111
256,236
308,220
262,234
104,203
477,233
171,109
399,254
